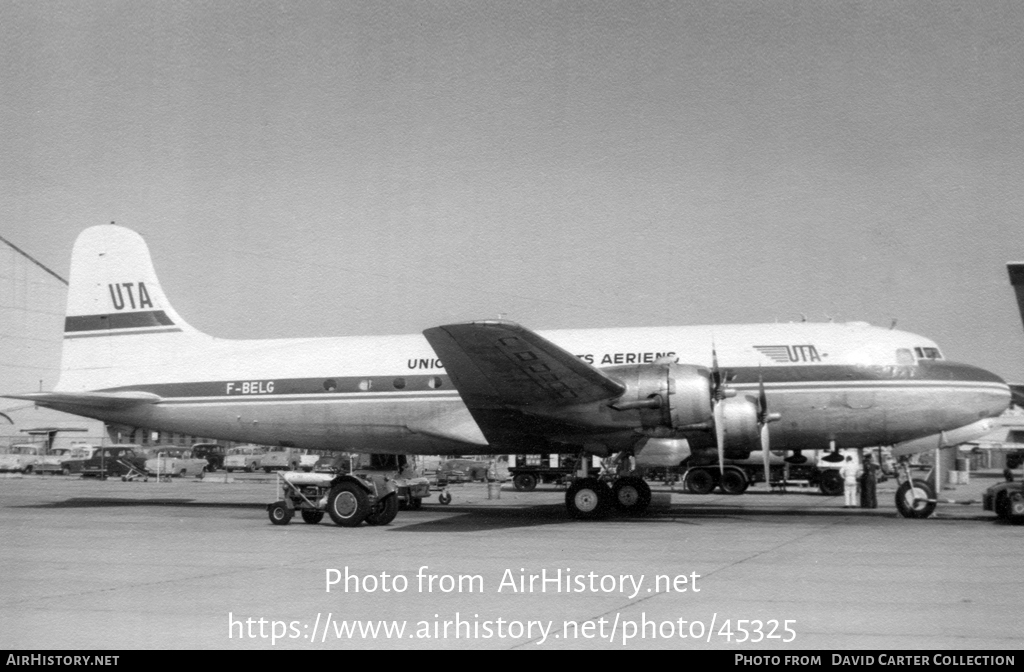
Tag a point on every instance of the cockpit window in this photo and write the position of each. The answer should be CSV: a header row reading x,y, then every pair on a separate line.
x,y
927,353
903,357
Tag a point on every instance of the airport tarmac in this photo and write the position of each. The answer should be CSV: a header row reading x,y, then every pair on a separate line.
x,y
189,564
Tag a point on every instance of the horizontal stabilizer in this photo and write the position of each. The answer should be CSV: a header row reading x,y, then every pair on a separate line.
x,y
501,364
96,400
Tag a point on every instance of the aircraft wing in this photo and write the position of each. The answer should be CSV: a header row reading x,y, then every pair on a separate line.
x,y
503,371
94,400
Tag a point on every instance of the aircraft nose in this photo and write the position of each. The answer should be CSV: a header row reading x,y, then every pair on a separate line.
x,y
990,395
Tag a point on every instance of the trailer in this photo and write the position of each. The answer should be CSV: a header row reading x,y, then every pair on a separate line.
x,y
349,499
529,470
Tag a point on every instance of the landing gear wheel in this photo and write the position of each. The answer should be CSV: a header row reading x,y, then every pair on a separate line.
x,y
384,511
524,482
912,500
700,481
312,517
631,495
831,483
588,499
734,482
444,498
348,504
279,513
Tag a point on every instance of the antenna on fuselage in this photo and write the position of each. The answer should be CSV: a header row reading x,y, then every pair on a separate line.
x,y
893,325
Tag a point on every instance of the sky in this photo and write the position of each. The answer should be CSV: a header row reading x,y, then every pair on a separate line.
x,y
347,168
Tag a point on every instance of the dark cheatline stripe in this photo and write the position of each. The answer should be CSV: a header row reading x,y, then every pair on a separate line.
x,y
149,318
804,376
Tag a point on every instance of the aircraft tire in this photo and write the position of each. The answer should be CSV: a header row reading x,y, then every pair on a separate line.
x,y
831,482
911,500
631,495
348,504
524,482
444,498
734,482
312,517
700,481
384,511
588,499
279,513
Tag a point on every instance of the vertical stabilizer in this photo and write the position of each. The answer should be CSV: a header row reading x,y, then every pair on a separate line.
x,y
118,320
1016,269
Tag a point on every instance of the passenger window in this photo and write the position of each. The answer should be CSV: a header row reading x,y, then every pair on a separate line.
x,y
399,383
365,384
434,383
903,357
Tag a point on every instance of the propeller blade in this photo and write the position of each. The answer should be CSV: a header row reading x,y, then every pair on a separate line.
x,y
719,414
764,451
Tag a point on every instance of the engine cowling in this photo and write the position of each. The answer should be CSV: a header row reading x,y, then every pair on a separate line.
x,y
669,396
741,430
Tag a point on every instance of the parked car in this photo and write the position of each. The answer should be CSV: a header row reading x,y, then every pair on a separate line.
x,y
244,458
174,461
116,460
22,457
279,457
307,462
461,471
334,463
65,460
213,453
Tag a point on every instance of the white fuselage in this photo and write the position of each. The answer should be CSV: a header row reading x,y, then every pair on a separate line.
x,y
851,384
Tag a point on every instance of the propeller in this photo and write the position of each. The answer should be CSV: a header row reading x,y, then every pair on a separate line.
x,y
718,395
763,418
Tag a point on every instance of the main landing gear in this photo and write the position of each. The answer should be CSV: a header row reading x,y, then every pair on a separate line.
x,y
702,480
591,498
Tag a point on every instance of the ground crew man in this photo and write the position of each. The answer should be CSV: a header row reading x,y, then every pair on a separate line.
x,y
868,482
849,472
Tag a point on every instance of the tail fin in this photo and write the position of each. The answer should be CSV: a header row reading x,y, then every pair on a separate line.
x,y
1016,269
118,320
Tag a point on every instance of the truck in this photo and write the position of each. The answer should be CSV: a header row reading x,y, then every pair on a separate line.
x,y
821,472
529,470
282,458
412,488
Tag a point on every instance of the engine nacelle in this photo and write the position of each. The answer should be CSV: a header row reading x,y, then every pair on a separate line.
x,y
740,427
672,396
662,452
